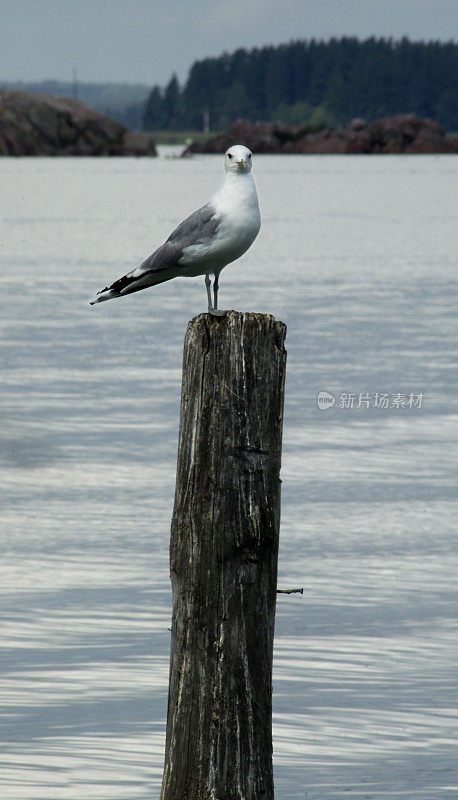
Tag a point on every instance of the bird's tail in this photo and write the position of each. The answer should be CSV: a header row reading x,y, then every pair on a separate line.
x,y
132,282
116,289
104,294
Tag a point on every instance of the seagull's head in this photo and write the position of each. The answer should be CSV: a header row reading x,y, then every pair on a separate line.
x,y
238,159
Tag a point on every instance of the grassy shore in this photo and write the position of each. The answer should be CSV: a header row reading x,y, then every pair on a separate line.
x,y
180,137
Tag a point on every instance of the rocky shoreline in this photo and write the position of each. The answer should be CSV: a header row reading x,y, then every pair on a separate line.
x,y
43,125
404,133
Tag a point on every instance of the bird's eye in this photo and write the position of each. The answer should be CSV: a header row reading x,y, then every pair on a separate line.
x,y
249,155
229,155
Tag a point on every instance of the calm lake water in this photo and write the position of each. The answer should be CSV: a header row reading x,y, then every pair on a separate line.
x,y
358,256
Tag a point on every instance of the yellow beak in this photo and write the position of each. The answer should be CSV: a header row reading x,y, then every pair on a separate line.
x,y
242,163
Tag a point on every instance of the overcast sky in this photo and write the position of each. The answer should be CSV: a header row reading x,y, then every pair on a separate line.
x,y
146,41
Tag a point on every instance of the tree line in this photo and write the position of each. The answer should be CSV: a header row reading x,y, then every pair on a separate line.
x,y
312,82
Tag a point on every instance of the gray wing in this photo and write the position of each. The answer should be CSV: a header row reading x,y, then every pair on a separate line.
x,y
162,265
199,227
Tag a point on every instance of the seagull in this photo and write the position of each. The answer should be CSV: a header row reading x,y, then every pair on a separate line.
x,y
217,233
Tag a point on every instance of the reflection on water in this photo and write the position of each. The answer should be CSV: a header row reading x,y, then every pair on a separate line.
x,y
356,255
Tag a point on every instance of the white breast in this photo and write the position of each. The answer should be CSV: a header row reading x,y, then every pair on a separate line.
x,y
236,205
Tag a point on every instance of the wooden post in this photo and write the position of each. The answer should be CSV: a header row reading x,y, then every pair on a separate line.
x,y
223,560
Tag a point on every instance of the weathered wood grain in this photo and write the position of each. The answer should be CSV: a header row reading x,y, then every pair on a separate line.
x,y
223,560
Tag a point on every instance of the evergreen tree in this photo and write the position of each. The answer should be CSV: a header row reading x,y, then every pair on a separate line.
x,y
172,104
335,80
153,116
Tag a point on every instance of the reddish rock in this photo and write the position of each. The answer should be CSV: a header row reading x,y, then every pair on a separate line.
x,y
38,124
404,133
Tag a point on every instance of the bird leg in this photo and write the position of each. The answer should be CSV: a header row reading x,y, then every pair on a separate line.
x,y
215,290
211,309
209,295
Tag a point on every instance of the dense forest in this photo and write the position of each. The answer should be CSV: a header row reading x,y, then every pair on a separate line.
x,y
316,83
